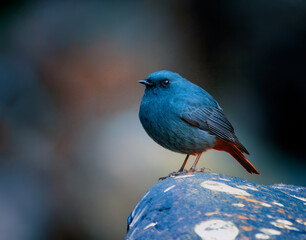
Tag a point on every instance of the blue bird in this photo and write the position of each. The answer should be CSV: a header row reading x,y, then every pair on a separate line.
x,y
184,118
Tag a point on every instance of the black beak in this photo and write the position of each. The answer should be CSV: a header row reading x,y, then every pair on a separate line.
x,y
145,82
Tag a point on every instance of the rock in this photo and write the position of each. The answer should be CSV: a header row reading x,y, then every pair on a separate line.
x,y
213,206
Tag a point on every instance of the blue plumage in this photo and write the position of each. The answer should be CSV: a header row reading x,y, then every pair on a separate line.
x,y
184,118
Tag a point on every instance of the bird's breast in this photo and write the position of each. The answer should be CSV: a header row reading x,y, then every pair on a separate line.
x,y
165,127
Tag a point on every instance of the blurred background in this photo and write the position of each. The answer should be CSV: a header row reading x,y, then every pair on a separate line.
x,y
74,158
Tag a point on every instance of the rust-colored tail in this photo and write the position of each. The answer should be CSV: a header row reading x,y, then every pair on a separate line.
x,y
223,145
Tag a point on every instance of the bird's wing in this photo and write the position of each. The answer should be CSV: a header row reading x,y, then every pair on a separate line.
x,y
213,120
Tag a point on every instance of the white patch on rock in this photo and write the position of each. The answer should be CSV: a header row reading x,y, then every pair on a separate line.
x,y
136,218
284,221
300,198
270,231
133,213
216,229
285,224
265,204
145,195
247,187
278,204
150,225
300,221
169,188
221,187
262,236
238,204
184,176
131,236
283,187
224,179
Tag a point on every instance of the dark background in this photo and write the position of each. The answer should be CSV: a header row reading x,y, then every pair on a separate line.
x,y
74,159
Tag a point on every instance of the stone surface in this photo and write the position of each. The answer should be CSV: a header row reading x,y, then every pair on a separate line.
x,y
212,206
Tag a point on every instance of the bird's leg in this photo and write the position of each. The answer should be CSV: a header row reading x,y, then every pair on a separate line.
x,y
184,163
195,162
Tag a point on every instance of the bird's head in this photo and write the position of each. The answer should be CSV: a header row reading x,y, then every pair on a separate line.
x,y
163,81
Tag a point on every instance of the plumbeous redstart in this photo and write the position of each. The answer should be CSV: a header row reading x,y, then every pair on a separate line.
x,y
184,118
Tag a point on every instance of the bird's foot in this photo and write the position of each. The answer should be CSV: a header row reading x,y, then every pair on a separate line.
x,y
190,171
173,174
203,169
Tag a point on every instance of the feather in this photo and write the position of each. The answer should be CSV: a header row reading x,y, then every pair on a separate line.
x,y
212,119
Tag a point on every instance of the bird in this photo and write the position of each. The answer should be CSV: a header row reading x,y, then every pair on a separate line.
x,y
183,117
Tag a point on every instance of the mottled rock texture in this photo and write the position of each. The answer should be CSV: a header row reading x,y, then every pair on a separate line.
x,y
213,206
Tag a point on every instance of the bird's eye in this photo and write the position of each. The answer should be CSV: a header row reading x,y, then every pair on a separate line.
x,y
165,82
